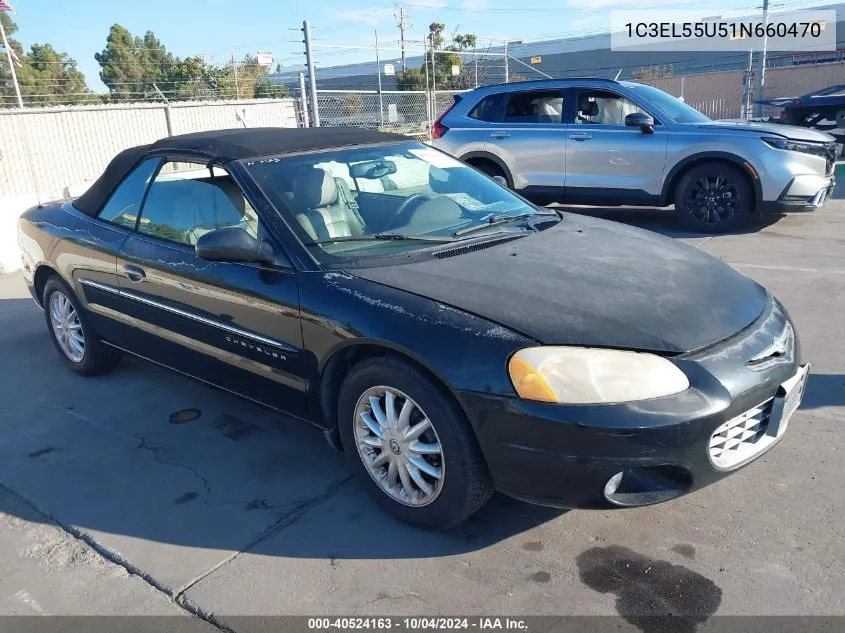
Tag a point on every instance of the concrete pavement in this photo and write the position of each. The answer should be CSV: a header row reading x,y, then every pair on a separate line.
x,y
107,505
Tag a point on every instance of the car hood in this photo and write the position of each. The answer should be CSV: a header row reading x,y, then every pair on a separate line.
x,y
788,131
591,282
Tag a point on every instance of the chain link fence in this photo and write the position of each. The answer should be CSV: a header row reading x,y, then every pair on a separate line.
x,y
408,112
722,95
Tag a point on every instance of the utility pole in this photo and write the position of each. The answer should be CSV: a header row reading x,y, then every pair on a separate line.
x,y
760,77
404,24
11,66
304,99
312,78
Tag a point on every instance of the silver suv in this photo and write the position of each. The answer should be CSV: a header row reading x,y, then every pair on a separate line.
x,y
609,143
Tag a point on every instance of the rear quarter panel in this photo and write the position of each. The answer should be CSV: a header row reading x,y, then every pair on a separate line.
x,y
59,237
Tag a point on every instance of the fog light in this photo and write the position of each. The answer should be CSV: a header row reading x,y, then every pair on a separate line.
x,y
645,486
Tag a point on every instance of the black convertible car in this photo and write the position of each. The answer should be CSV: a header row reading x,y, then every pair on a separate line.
x,y
448,336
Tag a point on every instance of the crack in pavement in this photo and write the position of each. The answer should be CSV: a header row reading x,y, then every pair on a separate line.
x,y
154,451
177,596
282,523
114,558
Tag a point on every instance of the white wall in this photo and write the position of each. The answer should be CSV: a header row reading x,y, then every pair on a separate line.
x,y
45,150
11,208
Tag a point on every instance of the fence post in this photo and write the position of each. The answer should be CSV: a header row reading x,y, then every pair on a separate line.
x,y
303,99
428,113
168,121
380,97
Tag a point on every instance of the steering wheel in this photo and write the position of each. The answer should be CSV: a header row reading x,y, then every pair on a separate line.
x,y
411,201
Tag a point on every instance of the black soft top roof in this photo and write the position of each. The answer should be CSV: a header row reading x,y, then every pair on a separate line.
x,y
223,146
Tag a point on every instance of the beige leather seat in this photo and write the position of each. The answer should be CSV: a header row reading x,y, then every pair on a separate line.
x,y
319,208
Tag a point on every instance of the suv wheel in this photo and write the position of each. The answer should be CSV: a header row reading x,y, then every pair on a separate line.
x,y
489,168
713,198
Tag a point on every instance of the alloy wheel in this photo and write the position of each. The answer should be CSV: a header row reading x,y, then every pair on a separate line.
x,y
67,327
712,199
399,446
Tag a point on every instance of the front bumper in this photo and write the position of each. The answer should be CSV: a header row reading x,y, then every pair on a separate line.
x,y
803,192
633,454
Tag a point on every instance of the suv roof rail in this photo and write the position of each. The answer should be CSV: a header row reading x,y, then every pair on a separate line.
x,y
541,81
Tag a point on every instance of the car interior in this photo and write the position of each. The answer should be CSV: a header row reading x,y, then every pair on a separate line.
x,y
534,107
602,107
182,207
325,206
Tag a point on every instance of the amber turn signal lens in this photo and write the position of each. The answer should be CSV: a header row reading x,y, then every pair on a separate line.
x,y
529,384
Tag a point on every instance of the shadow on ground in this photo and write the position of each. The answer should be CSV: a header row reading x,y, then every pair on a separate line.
x,y
824,390
107,457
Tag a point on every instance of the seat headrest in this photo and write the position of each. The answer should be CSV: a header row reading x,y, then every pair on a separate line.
x,y
591,108
314,188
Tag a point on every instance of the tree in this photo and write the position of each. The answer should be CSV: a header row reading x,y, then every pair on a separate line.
x,y
132,67
269,89
439,64
647,73
411,79
46,77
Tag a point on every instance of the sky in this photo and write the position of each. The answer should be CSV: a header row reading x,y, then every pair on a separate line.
x,y
217,28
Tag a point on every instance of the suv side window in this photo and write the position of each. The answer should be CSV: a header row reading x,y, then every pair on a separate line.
x,y
486,110
604,107
124,203
534,106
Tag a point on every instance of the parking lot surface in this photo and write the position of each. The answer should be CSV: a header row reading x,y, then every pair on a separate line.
x,y
110,504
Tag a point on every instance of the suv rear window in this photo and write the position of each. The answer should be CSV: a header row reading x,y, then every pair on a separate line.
x,y
485,110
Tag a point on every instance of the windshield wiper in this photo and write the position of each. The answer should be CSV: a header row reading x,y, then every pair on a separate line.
x,y
381,236
495,220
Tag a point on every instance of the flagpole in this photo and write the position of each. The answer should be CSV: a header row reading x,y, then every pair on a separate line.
x,y
11,65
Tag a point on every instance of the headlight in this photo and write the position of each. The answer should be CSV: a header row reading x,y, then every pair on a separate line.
x,y
795,146
581,375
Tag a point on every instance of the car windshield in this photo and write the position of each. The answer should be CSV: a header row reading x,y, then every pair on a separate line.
x,y
676,109
384,199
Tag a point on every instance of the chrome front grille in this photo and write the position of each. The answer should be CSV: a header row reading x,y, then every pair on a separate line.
x,y
742,438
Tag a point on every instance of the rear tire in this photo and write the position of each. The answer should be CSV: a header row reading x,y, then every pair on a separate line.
x,y
489,168
76,341
435,480
713,198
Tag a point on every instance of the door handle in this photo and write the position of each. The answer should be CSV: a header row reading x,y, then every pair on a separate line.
x,y
134,274
580,136
500,135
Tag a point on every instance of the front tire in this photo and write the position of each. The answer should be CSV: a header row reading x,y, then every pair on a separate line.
x,y
77,343
713,198
410,445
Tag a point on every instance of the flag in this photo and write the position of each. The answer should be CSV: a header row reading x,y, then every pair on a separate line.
x,y
15,59
5,6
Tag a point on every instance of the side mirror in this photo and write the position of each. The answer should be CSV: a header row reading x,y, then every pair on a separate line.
x,y
640,120
233,244
501,180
